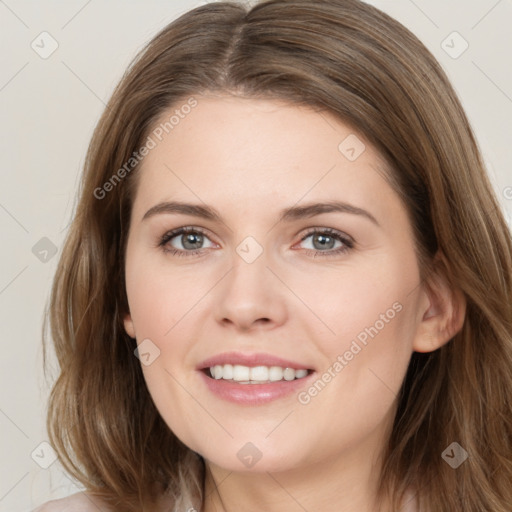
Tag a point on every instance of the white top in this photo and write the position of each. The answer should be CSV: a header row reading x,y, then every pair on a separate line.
x,y
409,503
82,502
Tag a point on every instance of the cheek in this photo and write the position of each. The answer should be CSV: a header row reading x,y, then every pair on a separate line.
x,y
371,311
158,299
364,372
356,303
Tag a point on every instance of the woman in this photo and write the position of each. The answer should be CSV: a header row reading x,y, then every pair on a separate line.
x,y
288,281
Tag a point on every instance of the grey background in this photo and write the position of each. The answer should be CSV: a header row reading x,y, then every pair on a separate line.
x,y
49,108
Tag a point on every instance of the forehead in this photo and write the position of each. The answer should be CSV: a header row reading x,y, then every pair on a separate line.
x,y
229,149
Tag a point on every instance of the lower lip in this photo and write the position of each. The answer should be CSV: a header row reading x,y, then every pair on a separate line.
x,y
254,394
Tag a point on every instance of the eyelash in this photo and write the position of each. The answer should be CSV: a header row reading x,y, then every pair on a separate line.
x,y
348,244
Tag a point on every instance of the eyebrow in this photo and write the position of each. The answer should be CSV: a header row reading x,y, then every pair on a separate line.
x,y
287,215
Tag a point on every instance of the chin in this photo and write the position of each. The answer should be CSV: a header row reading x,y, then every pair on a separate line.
x,y
254,457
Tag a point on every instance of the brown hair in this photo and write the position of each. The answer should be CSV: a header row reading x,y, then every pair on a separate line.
x,y
350,59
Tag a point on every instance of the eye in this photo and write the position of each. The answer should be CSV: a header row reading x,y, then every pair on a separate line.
x,y
190,239
324,241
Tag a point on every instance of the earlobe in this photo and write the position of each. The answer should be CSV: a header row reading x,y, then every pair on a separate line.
x,y
128,325
445,311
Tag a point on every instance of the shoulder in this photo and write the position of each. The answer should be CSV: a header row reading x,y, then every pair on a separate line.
x,y
79,502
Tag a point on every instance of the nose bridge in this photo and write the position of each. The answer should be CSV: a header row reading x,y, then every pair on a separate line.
x,y
250,291
248,276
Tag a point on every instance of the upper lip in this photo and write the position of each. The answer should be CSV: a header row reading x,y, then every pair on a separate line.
x,y
254,359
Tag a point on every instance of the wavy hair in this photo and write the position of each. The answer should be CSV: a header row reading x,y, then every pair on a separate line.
x,y
352,60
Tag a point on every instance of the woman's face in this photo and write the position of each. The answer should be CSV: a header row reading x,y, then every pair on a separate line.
x,y
275,282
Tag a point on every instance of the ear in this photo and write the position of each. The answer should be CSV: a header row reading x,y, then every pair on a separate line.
x,y
128,325
443,309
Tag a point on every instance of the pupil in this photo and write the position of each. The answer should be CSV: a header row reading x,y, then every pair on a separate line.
x,y
194,239
322,239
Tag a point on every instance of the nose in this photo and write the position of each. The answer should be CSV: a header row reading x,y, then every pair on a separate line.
x,y
251,296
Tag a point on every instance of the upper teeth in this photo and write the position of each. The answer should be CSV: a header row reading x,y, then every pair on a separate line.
x,y
246,374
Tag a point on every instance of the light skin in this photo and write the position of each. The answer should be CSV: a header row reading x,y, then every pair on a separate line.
x,y
250,159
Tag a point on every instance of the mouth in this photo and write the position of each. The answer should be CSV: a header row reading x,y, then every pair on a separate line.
x,y
254,378
253,385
